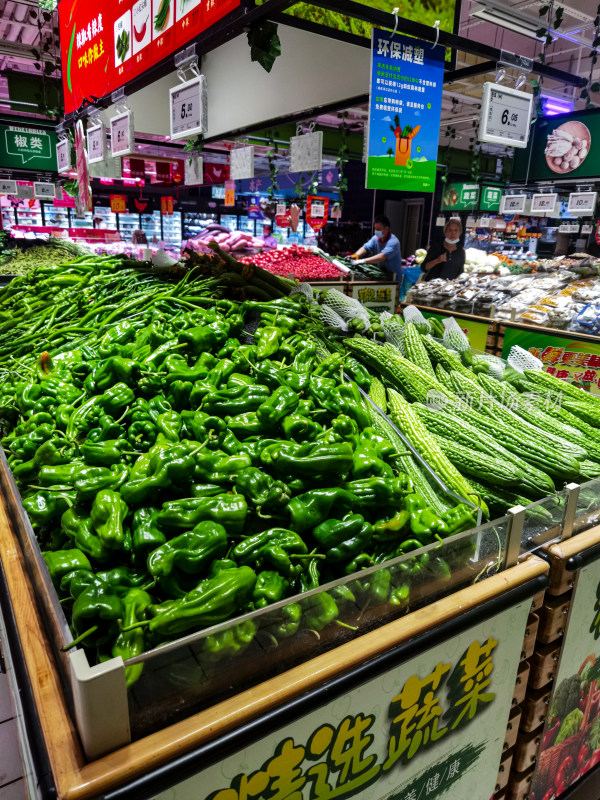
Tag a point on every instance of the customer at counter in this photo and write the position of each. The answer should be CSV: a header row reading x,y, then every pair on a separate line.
x,y
446,259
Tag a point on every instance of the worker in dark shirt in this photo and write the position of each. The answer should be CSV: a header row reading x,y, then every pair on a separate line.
x,y
446,259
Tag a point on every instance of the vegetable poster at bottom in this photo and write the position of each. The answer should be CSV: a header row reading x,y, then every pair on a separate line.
x,y
431,728
404,113
571,740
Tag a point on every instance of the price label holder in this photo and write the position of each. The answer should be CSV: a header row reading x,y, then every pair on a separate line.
x,y
513,204
317,210
188,108
543,203
586,230
8,187
95,144
63,156
505,115
582,203
122,136
484,222
44,191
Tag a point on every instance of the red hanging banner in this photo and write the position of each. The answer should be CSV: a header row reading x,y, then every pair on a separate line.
x,y
317,211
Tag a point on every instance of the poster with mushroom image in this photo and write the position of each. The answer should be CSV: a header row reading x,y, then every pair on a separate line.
x,y
567,147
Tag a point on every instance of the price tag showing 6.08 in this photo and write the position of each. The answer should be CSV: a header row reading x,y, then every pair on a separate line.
x,y
188,112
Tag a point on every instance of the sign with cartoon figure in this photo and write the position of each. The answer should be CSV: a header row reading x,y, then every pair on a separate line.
x,y
430,728
404,114
571,740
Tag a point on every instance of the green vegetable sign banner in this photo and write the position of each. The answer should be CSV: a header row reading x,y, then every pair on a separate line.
x,y
430,728
571,739
27,148
404,113
570,359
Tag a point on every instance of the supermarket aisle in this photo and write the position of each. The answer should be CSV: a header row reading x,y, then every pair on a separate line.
x,y
12,786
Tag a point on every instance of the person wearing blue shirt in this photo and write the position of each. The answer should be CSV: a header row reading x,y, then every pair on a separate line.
x,y
383,248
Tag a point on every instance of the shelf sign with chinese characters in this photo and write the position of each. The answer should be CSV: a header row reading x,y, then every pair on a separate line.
x,y
582,203
460,197
505,115
573,360
95,144
122,136
241,163
404,113
229,199
63,156
104,44
377,296
33,148
118,203
8,187
490,198
44,191
543,203
513,204
188,108
431,728
574,715
306,152
317,211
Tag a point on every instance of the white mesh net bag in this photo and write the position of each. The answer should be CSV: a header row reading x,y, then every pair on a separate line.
x,y
496,364
412,314
305,289
329,317
520,360
384,315
346,307
394,331
454,337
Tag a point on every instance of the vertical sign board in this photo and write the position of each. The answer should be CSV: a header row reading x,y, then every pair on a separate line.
x,y
404,113
306,152
188,108
194,171
32,148
317,211
571,740
571,360
229,199
432,728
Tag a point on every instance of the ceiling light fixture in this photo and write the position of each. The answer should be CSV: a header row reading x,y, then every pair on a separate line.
x,y
505,16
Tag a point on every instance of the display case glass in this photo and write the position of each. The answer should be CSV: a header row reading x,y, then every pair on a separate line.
x,y
151,226
195,222
55,216
29,216
87,221
128,223
171,229
104,218
8,217
250,226
587,513
229,221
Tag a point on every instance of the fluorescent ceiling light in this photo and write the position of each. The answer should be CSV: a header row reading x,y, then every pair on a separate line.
x,y
506,17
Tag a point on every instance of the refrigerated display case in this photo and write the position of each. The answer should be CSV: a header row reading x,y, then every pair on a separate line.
x,y
151,226
194,223
87,221
128,223
8,217
55,216
171,229
249,226
29,216
108,219
229,221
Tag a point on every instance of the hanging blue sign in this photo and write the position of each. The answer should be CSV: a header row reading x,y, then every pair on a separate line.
x,y
404,114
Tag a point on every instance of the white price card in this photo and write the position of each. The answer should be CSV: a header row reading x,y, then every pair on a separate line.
x,y
8,187
122,137
317,210
63,155
241,163
582,203
586,230
543,203
484,222
95,144
44,191
564,228
194,172
25,191
512,204
505,115
188,108
306,152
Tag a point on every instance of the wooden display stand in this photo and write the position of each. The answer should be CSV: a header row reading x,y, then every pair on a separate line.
x,y
75,779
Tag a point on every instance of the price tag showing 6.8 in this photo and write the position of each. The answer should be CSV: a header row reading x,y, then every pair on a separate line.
x,y
188,108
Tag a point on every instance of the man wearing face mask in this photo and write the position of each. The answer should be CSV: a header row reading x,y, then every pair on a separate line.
x,y
383,248
446,259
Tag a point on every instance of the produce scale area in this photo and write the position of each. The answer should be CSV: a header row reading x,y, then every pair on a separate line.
x,y
299,400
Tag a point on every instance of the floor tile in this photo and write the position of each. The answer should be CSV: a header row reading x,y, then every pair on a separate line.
x,y
11,767
13,791
6,705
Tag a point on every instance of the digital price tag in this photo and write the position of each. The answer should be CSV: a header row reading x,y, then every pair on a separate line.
x,y
188,108
95,144
512,204
44,191
8,187
543,203
63,155
586,230
241,163
25,191
564,228
582,203
317,209
505,115
122,136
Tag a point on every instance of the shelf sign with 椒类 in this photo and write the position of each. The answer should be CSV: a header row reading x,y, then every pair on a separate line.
x,y
543,203
513,204
188,108
27,148
105,44
505,115
582,203
431,728
404,113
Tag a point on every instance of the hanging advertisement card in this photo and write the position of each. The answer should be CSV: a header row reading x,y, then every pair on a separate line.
x,y
33,148
241,163
122,136
255,206
95,144
230,193
404,113
118,203
306,152
317,211
282,216
25,191
166,205
194,172
490,198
